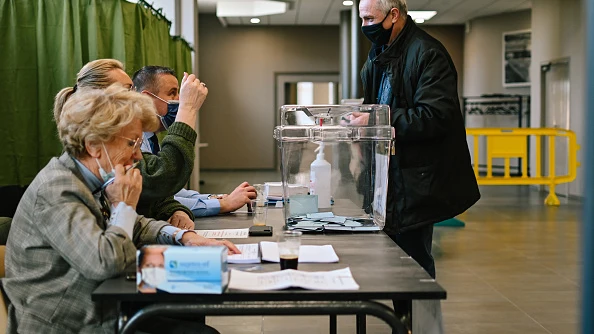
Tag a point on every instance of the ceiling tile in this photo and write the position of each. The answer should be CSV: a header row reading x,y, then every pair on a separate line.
x,y
308,12
312,11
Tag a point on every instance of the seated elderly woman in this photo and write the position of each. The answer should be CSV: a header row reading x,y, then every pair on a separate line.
x,y
68,233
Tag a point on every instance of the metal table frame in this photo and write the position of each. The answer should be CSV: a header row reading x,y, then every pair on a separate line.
x,y
389,274
333,308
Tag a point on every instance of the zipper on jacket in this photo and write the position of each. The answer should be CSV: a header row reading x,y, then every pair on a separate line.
x,y
393,142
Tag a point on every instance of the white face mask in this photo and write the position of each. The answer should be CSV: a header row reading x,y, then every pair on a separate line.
x,y
153,276
104,175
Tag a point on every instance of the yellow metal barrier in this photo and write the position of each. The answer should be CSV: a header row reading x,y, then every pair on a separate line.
x,y
510,143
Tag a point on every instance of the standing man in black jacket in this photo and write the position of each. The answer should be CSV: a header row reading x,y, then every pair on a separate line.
x,y
430,177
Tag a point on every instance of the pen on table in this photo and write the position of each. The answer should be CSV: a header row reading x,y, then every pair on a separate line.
x,y
110,181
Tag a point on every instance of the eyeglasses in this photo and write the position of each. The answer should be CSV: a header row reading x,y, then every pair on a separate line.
x,y
133,143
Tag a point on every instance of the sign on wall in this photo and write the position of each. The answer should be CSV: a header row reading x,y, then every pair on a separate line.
x,y
517,46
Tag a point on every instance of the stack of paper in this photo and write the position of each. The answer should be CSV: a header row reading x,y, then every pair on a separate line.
x,y
341,279
274,190
307,253
249,254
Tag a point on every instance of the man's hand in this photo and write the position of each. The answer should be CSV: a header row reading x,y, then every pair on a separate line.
x,y
238,198
182,220
192,93
357,118
193,239
125,188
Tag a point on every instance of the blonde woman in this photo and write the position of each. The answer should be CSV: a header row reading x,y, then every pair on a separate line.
x,y
167,173
68,235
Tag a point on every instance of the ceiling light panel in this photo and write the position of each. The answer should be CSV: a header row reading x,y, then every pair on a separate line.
x,y
250,8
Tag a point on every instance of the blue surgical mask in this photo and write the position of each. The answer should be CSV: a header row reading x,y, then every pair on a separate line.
x,y
169,118
377,34
172,107
105,175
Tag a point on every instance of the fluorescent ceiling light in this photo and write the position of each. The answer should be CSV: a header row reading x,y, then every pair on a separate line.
x,y
347,3
421,14
250,8
255,20
420,20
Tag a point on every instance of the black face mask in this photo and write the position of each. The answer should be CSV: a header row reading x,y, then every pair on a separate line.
x,y
376,32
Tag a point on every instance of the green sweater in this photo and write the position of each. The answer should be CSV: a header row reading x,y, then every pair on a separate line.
x,y
165,174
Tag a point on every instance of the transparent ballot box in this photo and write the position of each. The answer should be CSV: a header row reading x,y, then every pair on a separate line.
x,y
341,154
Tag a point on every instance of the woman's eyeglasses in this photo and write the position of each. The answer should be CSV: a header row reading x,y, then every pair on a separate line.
x,y
133,143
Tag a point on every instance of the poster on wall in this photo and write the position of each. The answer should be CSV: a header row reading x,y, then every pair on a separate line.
x,y
517,46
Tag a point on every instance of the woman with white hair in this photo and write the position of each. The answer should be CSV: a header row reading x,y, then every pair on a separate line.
x,y
71,231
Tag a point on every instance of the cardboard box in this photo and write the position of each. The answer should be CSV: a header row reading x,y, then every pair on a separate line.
x,y
178,269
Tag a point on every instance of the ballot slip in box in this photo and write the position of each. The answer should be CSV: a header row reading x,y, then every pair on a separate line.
x,y
179,269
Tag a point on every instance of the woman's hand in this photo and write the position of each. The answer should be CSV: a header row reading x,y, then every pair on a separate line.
x,y
125,188
193,239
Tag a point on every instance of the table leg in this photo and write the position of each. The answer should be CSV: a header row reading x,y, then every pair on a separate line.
x,y
333,324
361,324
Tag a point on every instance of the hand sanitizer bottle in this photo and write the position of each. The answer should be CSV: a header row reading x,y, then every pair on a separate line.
x,y
320,177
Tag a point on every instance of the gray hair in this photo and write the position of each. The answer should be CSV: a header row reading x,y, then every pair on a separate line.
x,y
97,115
385,5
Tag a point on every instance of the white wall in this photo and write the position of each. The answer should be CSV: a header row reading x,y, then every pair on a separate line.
x,y
239,65
558,28
483,53
558,31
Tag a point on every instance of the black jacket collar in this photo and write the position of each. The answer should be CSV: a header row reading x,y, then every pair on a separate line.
x,y
397,47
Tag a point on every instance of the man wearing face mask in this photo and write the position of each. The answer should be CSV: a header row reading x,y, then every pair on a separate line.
x,y
430,176
161,84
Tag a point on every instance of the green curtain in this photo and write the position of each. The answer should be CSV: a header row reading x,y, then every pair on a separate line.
x,y
44,43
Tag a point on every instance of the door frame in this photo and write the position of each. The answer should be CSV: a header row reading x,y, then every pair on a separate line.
x,y
544,68
280,79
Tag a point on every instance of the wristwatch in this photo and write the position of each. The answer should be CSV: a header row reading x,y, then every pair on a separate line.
x,y
215,196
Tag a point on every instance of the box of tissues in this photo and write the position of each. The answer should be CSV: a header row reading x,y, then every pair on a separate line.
x,y
178,269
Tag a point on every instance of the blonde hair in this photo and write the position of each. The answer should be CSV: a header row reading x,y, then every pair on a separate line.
x,y
97,115
95,74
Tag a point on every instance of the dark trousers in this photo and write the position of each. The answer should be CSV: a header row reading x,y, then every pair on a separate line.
x,y
417,244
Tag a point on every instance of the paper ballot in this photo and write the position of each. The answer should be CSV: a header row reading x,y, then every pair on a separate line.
x,y
307,253
249,254
340,279
230,233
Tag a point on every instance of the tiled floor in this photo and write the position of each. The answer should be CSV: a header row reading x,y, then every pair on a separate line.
x,y
514,267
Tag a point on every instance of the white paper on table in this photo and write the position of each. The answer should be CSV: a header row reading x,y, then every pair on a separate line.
x,y
340,279
225,234
249,254
307,253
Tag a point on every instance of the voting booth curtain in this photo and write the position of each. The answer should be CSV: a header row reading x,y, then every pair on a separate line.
x,y
44,44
